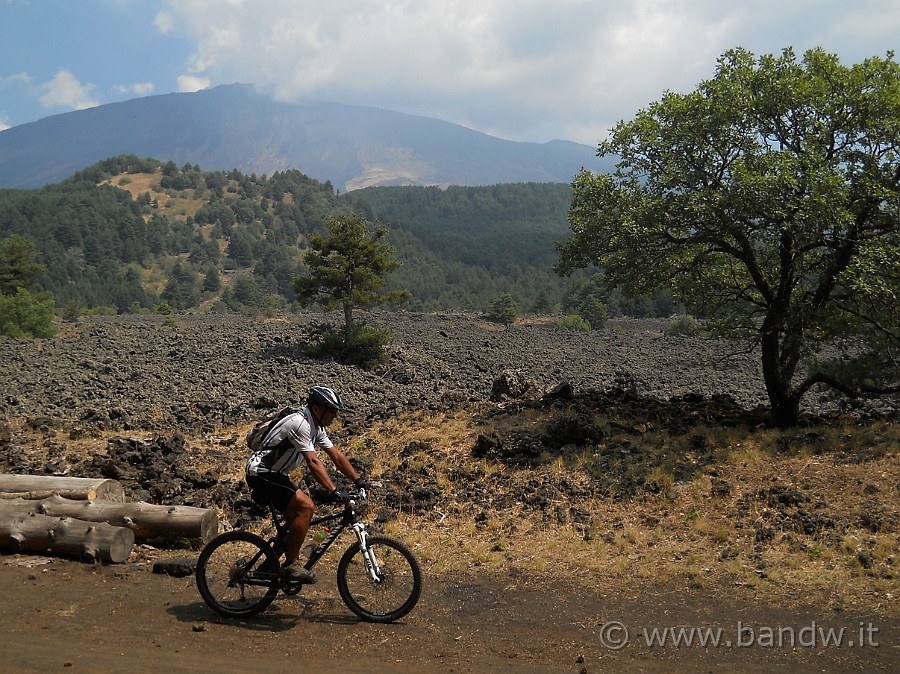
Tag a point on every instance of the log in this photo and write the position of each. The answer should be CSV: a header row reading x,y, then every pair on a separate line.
x,y
144,519
84,488
66,537
80,495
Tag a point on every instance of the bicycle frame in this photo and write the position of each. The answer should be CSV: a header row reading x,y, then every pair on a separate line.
x,y
346,518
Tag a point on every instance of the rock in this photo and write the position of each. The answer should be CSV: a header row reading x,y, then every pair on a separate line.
x,y
179,567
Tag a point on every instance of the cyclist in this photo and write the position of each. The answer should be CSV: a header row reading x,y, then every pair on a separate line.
x,y
293,439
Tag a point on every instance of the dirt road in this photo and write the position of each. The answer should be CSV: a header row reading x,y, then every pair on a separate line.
x,y
66,616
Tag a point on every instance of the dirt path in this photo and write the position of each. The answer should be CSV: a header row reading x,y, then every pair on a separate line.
x,y
67,616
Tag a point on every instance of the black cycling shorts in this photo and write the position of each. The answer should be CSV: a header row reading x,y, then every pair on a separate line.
x,y
274,488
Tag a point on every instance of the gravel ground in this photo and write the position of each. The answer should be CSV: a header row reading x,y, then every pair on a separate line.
x,y
209,372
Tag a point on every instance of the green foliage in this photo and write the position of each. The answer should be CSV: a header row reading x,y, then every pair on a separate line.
x,y
686,326
18,268
347,268
463,246
768,200
460,247
183,289
24,314
365,348
97,242
573,322
503,309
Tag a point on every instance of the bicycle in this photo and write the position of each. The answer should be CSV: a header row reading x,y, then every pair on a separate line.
x,y
239,573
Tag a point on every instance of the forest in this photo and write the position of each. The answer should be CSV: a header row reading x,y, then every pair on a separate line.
x,y
134,234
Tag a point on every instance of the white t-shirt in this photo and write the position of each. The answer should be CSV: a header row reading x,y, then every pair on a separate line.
x,y
287,441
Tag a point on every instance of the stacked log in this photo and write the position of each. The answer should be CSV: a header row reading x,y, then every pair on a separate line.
x,y
68,517
66,537
42,486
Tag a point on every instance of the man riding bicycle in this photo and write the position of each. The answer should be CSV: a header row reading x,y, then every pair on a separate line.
x,y
291,440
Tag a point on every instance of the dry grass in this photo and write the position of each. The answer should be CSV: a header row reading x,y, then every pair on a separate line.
x,y
553,518
688,533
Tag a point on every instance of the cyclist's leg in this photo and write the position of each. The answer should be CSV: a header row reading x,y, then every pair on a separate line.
x,y
298,513
298,510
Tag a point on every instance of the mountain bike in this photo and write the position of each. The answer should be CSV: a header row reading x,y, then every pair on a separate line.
x,y
239,573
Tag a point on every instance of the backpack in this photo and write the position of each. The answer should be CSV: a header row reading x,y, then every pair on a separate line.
x,y
260,430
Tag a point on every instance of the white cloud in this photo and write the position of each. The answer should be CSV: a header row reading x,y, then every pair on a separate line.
x,y
138,88
522,69
165,23
22,77
3,125
64,90
191,83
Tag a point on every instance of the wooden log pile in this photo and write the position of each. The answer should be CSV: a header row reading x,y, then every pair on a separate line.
x,y
89,519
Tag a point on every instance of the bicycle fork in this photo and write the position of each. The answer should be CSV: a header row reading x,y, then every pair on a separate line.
x,y
368,555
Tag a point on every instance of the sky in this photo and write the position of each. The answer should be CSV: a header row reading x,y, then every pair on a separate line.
x,y
524,70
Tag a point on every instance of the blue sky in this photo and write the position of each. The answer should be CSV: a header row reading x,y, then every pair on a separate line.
x,y
529,70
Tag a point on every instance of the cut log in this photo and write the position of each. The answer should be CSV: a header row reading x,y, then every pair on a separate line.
x,y
66,537
78,494
84,488
144,519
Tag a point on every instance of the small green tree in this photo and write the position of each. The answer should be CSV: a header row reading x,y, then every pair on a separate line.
x,y
23,313
768,200
347,268
503,309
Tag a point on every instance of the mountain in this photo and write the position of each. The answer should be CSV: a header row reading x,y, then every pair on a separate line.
x,y
233,126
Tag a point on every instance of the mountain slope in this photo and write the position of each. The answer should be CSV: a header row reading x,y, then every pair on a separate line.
x,y
233,126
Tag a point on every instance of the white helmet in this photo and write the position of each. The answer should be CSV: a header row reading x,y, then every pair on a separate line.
x,y
325,397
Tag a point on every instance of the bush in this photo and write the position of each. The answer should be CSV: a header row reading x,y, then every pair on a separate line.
x,y
684,326
24,314
594,311
573,322
366,348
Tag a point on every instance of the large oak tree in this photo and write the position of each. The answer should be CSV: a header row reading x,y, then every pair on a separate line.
x,y
768,199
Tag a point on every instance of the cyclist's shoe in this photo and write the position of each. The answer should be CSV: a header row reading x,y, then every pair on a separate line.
x,y
295,572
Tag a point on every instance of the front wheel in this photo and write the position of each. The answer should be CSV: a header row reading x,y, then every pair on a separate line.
x,y
237,574
393,594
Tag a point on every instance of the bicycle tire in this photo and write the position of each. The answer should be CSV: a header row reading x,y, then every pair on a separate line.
x,y
227,585
389,599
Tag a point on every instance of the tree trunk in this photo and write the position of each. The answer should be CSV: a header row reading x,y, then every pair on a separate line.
x,y
66,537
348,323
778,373
145,520
84,488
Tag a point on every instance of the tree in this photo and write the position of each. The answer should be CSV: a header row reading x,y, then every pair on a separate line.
x,y
503,309
18,268
182,290
23,313
347,268
768,200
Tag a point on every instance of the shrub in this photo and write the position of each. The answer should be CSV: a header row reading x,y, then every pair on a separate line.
x,y
594,311
24,314
684,326
365,349
573,322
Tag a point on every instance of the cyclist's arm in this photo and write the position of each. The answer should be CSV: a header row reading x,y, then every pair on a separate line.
x,y
319,473
342,463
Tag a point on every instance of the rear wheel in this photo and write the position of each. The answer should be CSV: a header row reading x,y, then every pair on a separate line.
x,y
393,594
237,574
